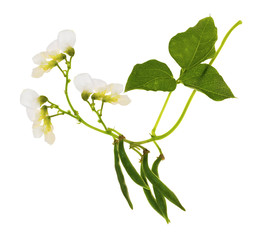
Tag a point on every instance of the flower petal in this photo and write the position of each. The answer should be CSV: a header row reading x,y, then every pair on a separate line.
x,y
99,85
53,49
40,58
84,82
124,100
66,39
38,72
49,137
32,113
29,98
115,88
37,131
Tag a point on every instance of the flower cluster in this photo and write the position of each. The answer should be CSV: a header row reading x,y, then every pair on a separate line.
x,y
38,114
55,53
99,90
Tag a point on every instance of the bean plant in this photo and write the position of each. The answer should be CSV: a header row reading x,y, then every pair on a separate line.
x,y
190,49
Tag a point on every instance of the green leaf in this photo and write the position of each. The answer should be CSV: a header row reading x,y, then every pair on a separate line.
x,y
151,75
195,45
207,80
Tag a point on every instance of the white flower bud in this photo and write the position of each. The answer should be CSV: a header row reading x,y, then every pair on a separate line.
x,y
49,137
83,82
32,101
48,131
29,98
66,40
100,90
37,131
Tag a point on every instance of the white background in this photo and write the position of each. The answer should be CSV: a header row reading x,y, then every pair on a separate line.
x,y
216,161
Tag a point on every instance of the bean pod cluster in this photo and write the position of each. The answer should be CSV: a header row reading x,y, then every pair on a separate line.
x,y
160,193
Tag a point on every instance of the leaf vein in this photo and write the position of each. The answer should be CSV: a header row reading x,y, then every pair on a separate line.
x,y
198,44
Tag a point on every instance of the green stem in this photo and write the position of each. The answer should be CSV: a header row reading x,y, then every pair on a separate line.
x,y
101,110
76,115
60,69
115,131
154,138
157,145
160,115
67,80
140,154
56,115
180,118
53,105
224,40
85,123
100,120
97,129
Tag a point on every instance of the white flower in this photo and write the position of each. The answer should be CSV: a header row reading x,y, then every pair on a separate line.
x,y
40,115
41,58
54,53
99,90
53,50
48,131
114,97
45,63
37,114
31,99
63,44
37,128
120,99
44,66
66,40
87,85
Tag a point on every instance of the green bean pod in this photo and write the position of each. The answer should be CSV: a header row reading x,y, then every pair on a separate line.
x,y
149,195
160,199
120,176
156,182
134,175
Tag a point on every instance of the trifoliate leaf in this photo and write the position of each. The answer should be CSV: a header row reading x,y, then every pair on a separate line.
x,y
207,80
195,45
151,75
